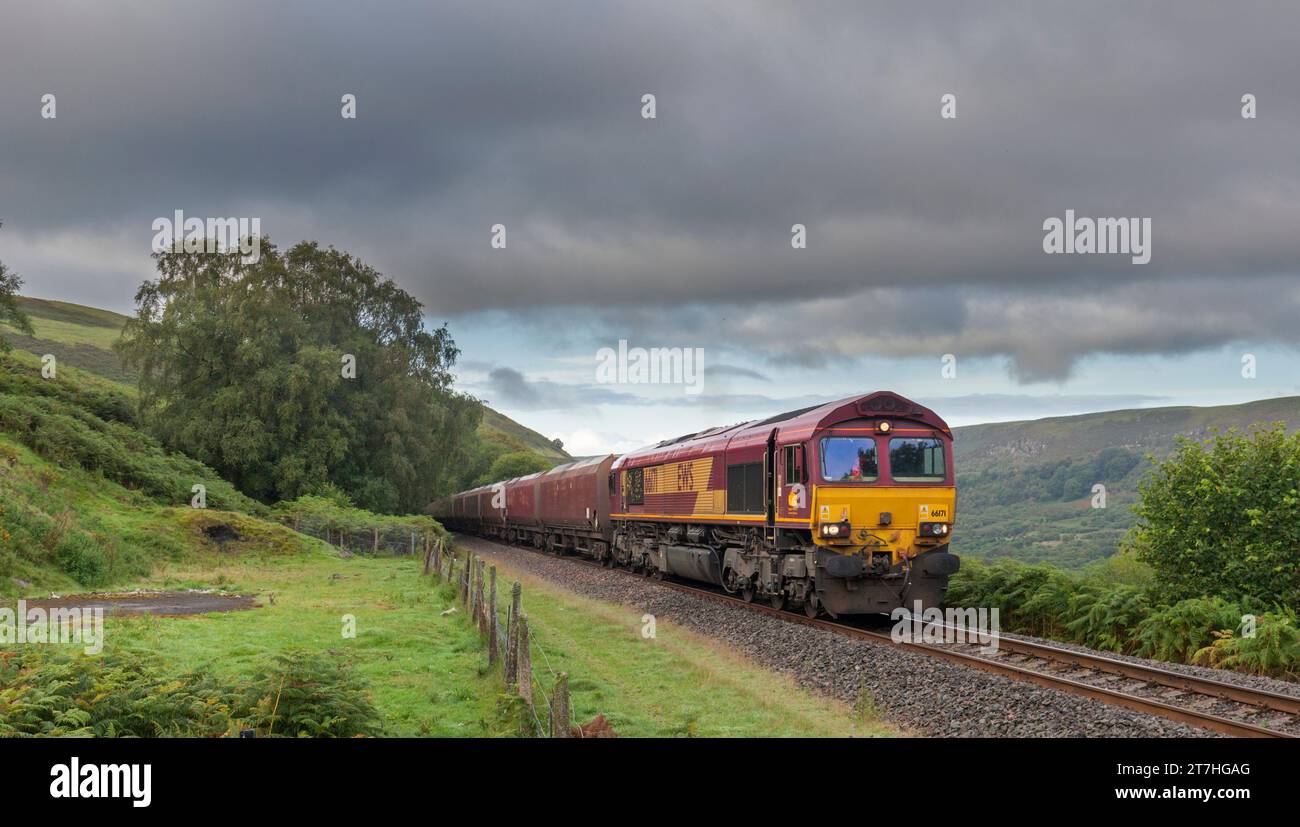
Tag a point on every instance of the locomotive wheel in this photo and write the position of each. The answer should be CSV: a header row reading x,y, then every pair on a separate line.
x,y
777,601
747,594
810,606
656,574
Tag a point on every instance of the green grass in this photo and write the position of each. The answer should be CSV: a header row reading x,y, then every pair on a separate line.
x,y
678,684
427,671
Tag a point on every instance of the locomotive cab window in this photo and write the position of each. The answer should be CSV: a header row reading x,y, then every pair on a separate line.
x,y
916,460
635,483
849,459
793,464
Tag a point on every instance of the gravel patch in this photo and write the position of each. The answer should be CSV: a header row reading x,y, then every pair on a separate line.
x,y
922,694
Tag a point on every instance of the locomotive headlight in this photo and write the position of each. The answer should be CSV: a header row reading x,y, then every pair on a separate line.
x,y
933,529
840,529
883,427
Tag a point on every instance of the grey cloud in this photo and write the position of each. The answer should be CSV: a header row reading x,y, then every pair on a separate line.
x,y
734,370
509,387
924,234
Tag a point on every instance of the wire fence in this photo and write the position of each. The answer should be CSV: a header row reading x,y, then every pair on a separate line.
x,y
380,541
476,589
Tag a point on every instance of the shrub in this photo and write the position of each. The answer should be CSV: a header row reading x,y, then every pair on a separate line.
x,y
307,695
127,694
1274,651
1222,519
1105,618
110,695
1175,633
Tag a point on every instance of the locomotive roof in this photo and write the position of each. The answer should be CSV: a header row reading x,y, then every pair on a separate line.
x,y
795,424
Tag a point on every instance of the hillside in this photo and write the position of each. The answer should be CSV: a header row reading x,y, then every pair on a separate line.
x,y
82,337
501,429
86,499
1143,430
1025,489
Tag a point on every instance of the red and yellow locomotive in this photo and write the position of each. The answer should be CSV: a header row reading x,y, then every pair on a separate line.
x,y
845,507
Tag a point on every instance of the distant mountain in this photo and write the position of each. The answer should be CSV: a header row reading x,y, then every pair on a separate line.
x,y
1025,489
1147,430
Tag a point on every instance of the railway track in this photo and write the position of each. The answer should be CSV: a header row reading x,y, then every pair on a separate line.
x,y
1147,689
1040,665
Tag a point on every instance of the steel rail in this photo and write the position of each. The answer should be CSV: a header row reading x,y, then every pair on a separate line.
x,y
1202,686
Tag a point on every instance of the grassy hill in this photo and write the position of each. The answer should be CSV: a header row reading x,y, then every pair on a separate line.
x,y
1025,489
499,428
78,336
82,337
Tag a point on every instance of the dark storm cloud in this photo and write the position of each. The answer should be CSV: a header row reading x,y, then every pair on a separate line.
x,y
924,234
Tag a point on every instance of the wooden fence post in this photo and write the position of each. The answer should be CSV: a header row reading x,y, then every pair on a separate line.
x,y
492,620
512,635
560,707
475,590
375,549
482,602
525,679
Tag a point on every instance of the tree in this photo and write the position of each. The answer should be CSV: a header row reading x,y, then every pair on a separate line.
x,y
297,372
514,464
10,312
1222,519
558,444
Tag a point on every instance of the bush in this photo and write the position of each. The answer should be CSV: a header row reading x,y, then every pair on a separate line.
x,y
307,695
127,694
1106,618
1222,519
1176,633
112,695
1274,651
1124,617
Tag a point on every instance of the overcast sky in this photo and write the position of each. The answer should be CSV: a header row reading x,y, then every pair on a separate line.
x,y
924,234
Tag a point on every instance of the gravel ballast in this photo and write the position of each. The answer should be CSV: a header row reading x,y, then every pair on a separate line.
x,y
925,695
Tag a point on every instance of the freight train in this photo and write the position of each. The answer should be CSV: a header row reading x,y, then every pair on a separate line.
x,y
843,508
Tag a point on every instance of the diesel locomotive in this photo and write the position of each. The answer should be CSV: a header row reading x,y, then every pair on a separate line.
x,y
844,508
